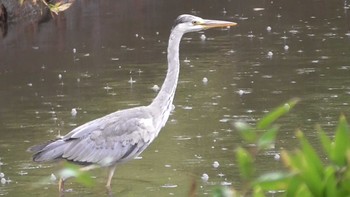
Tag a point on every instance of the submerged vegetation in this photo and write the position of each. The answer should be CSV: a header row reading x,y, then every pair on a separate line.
x,y
306,172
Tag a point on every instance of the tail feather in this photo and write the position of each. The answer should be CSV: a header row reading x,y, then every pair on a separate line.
x,y
49,151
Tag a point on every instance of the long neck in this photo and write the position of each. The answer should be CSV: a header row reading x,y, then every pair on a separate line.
x,y
163,101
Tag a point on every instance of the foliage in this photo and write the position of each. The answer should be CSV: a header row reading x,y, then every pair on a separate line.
x,y
60,6
82,177
306,172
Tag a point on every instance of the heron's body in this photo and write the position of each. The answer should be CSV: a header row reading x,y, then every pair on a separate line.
x,y
123,135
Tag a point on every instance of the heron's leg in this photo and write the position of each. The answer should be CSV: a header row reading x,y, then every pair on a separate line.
x,y
61,187
111,170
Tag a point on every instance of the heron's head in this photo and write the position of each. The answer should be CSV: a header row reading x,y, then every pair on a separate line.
x,y
188,23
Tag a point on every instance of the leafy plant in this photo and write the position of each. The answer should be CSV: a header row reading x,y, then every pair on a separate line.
x,y
307,173
60,6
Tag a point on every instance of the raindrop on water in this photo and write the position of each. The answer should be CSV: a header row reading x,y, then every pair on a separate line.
x,y
269,54
205,177
131,81
277,156
205,80
53,177
74,112
215,164
286,47
155,88
268,28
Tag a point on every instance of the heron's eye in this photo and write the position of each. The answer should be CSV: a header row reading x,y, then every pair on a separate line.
x,y
195,22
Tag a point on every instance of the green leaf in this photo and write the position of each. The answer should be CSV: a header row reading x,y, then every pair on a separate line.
x,y
325,141
341,143
245,163
258,192
312,158
273,181
82,177
330,182
247,132
267,120
224,192
268,138
303,191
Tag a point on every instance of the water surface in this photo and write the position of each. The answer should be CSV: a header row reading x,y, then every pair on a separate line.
x,y
249,70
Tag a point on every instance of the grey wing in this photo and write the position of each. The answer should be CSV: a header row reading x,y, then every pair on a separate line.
x,y
111,139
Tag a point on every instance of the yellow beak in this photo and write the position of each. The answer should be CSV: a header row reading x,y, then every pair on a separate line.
x,y
216,23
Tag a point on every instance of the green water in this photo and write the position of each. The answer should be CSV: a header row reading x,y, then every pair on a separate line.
x,y
42,80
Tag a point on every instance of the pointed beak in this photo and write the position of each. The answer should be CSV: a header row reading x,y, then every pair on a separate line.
x,y
207,24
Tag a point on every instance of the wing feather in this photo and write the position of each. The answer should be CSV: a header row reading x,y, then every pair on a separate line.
x,y
114,138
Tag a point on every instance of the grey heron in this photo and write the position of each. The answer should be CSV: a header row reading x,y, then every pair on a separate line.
x,y
121,136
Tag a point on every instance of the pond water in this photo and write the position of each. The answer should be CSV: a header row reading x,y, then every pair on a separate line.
x,y
101,56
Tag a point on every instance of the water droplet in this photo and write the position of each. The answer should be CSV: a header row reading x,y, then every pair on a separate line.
x,y
131,81
203,37
53,177
268,28
205,177
215,164
205,80
187,60
277,156
155,88
74,112
269,54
